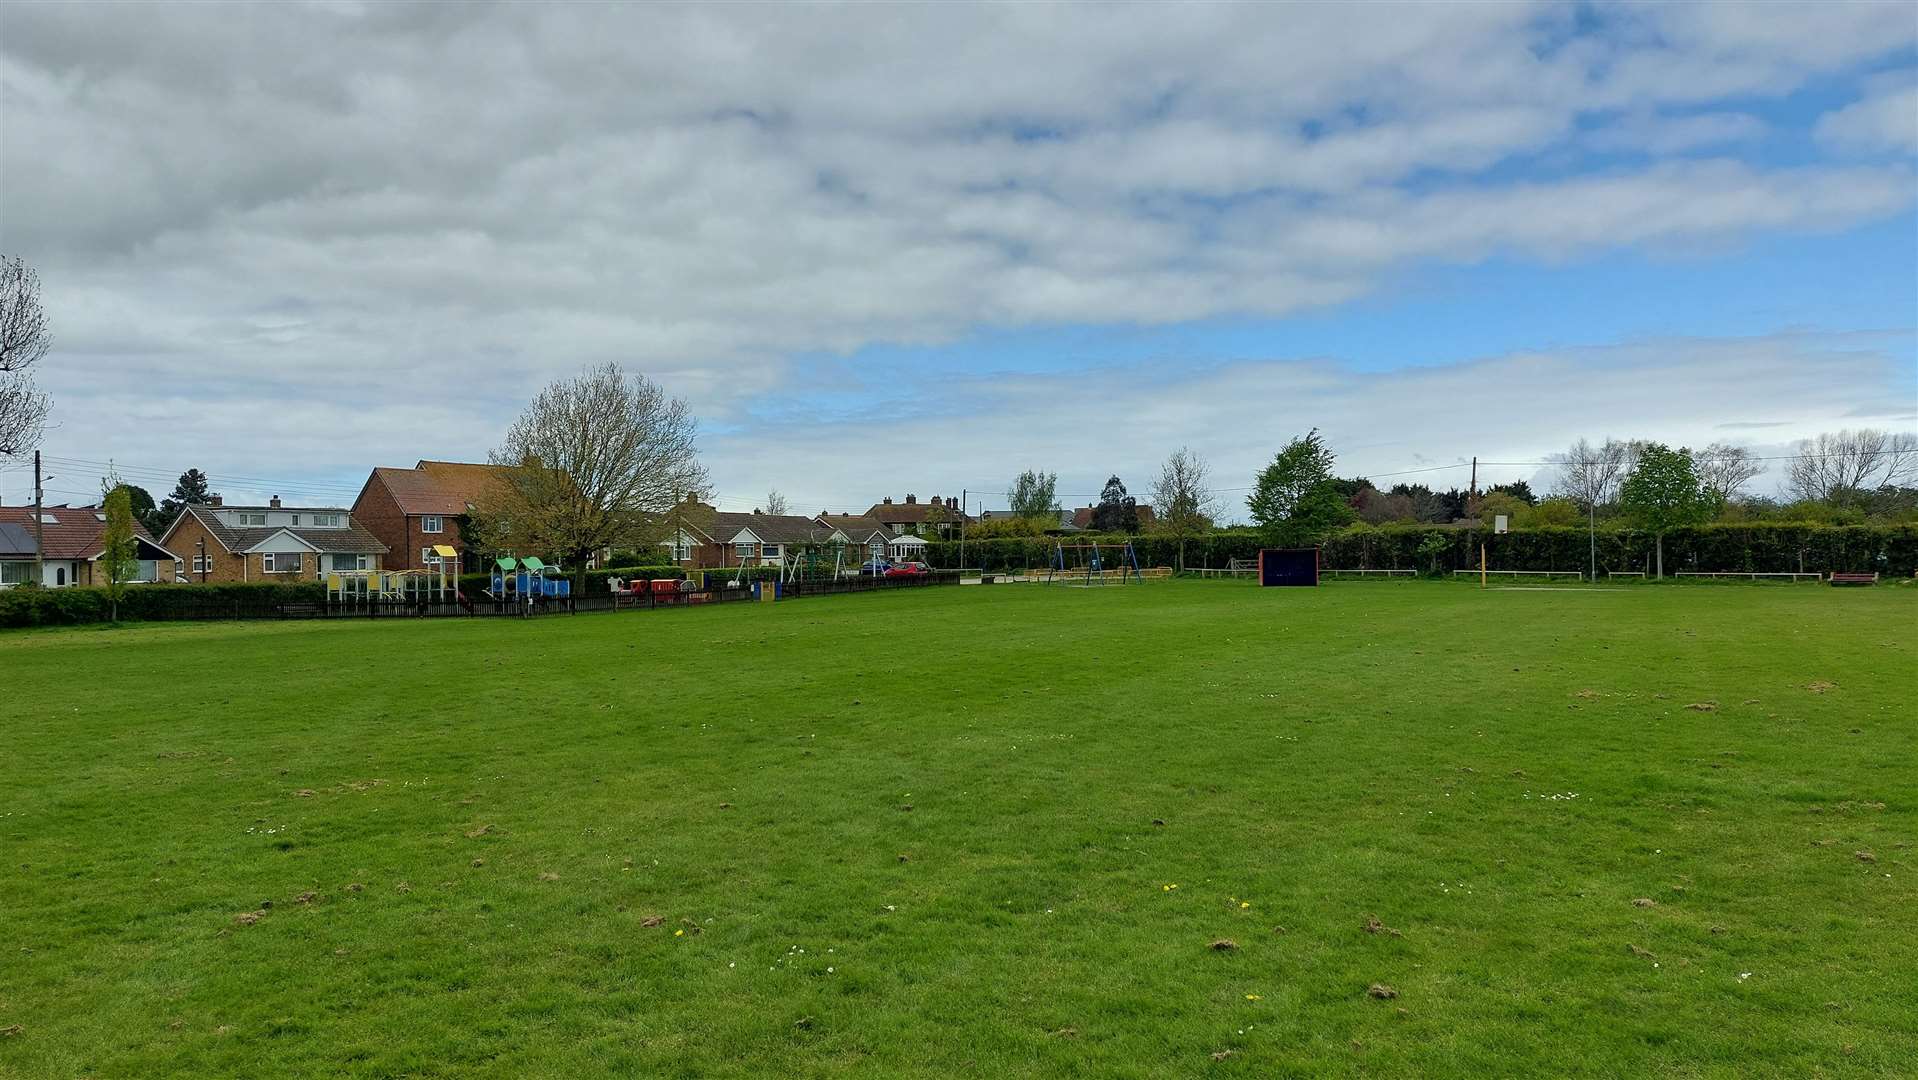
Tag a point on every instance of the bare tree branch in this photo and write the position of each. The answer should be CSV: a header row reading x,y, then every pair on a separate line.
x,y
597,462
24,340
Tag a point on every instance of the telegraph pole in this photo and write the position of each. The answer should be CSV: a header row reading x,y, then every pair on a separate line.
x,y
963,496
1471,493
39,527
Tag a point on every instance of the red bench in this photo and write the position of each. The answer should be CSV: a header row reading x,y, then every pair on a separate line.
x,y
1853,579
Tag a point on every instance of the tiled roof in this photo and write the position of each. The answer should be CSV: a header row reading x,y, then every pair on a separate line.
x,y
73,534
770,528
857,527
351,540
446,488
910,513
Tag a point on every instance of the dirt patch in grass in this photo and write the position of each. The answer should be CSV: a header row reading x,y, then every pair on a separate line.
x,y
1644,901
1866,856
248,918
306,897
478,831
1223,945
1821,686
1703,706
1381,992
652,921
548,875
1374,926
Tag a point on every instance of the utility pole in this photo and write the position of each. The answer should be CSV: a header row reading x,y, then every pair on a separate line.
x,y
1591,531
39,528
1471,493
964,495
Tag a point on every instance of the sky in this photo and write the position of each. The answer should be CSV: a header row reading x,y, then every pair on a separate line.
x,y
890,249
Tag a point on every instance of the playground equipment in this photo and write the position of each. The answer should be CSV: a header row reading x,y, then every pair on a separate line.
x,y
528,581
1086,565
358,588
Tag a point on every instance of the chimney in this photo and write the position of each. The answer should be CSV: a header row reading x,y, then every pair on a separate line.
x,y
215,500
952,504
910,499
274,502
888,501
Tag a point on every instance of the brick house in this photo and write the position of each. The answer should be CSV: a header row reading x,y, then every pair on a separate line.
x,y
217,542
72,539
411,511
703,538
865,536
935,519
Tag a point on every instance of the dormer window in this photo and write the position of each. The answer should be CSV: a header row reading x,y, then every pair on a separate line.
x,y
246,519
324,521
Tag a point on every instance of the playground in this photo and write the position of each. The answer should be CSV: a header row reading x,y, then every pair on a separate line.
x,y
1373,828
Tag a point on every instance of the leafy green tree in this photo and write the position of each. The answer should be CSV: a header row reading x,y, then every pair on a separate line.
x,y
1295,500
118,546
1517,489
144,510
1557,510
190,490
1663,490
1032,495
1494,503
1117,511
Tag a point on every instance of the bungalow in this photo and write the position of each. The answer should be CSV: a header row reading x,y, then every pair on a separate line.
x,y
865,536
72,540
271,542
937,517
414,511
701,537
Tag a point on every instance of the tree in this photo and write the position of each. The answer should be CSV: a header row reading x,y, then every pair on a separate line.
x,y
776,503
118,547
24,340
189,490
936,521
144,511
1592,474
1117,511
1182,504
595,462
1557,510
1295,501
1664,491
1032,495
1841,467
1517,489
1494,503
1724,469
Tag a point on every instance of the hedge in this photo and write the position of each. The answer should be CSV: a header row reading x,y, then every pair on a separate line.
x,y
717,578
56,607
1764,547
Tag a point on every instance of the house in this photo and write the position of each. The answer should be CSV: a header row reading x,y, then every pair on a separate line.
x,y
412,511
271,542
72,539
864,536
935,518
702,537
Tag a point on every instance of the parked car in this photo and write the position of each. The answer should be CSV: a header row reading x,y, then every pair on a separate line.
x,y
908,569
875,568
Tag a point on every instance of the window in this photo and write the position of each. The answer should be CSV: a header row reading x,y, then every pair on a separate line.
x,y
249,519
769,551
149,570
323,521
296,519
203,564
59,575
743,551
428,557
280,562
349,562
15,573
431,523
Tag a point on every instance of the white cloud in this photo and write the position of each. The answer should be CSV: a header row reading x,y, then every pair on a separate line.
x,y
361,235
1887,119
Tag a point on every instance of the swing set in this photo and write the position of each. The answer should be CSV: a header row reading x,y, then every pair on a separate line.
x,y
1090,565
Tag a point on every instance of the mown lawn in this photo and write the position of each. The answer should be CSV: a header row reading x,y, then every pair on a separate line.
x,y
976,832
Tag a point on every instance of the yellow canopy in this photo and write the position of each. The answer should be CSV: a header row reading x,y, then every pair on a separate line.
x,y
445,552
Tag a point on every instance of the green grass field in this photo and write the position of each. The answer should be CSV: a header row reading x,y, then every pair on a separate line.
x,y
983,832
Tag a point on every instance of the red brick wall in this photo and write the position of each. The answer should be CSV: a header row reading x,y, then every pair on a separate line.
x,y
380,515
182,540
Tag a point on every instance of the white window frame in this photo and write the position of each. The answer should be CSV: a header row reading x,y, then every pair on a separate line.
x,y
432,523
768,551
323,521
202,564
270,562
246,519
429,558
743,551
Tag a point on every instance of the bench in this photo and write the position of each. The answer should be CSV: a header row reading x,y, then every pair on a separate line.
x,y
301,611
1853,579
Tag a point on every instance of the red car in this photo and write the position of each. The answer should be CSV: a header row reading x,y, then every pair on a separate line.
x,y
908,569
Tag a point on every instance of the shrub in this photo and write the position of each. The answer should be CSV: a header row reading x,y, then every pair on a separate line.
x,y
56,607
